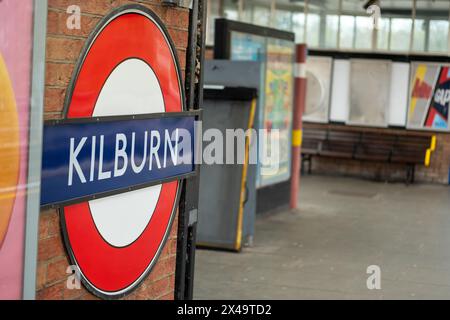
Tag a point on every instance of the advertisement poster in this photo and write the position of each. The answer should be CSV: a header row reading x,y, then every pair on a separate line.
x,y
275,102
16,28
279,93
429,97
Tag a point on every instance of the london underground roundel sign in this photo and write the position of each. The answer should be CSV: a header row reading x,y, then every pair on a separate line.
x,y
128,73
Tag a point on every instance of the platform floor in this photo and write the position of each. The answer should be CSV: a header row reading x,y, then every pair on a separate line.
x,y
322,251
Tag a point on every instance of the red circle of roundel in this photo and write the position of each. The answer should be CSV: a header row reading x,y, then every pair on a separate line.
x,y
129,32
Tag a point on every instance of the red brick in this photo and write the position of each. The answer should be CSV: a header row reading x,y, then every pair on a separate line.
x,y
56,270
179,37
51,293
156,289
43,226
163,268
50,248
58,74
64,49
168,297
54,224
54,99
41,275
178,18
57,24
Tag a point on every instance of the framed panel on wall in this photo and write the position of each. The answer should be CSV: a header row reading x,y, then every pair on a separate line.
x,y
22,61
429,96
275,49
340,92
398,103
370,87
319,76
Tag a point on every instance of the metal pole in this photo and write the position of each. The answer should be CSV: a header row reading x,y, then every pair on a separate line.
x,y
35,150
183,216
187,230
297,133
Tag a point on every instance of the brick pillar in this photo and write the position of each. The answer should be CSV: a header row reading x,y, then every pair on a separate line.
x,y
63,49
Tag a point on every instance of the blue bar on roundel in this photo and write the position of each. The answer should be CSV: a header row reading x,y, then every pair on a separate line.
x,y
89,159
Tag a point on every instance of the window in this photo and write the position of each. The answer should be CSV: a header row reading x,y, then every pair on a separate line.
x,y
283,20
331,31
384,28
261,16
420,33
313,30
230,9
438,36
400,34
213,13
363,37
345,24
347,31
298,24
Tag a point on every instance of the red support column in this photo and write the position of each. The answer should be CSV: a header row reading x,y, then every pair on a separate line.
x,y
297,132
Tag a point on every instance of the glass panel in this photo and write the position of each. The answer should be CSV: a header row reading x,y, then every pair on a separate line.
x,y
438,41
313,30
322,23
283,20
213,13
395,25
261,16
420,33
298,21
257,12
295,22
331,31
356,26
384,26
278,106
400,34
230,9
431,30
347,32
363,38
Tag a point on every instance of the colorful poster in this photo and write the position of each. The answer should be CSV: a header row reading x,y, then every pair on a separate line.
x,y
275,103
277,115
429,97
16,27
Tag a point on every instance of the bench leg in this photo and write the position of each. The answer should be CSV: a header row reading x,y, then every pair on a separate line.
x,y
302,167
306,159
410,174
309,165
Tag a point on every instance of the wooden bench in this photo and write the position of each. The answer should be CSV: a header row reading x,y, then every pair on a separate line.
x,y
368,144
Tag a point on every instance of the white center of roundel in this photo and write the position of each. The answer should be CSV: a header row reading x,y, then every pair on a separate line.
x,y
131,89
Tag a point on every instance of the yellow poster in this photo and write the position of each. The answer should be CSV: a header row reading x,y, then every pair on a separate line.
x,y
278,111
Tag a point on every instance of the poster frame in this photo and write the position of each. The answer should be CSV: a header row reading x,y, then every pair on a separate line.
x,y
35,148
224,29
414,63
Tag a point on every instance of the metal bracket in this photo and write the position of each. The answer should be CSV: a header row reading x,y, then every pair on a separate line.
x,y
193,217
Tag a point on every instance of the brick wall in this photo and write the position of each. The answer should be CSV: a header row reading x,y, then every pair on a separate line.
x,y
63,48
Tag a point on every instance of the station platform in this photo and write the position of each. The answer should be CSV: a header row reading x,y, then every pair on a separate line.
x,y
323,250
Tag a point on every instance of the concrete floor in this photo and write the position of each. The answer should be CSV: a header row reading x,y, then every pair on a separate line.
x,y
322,251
